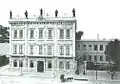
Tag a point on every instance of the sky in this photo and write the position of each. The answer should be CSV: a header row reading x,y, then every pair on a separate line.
x,y
93,16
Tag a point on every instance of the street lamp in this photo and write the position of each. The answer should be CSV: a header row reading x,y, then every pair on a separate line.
x,y
96,68
85,70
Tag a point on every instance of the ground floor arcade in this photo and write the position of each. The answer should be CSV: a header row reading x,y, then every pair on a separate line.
x,y
42,64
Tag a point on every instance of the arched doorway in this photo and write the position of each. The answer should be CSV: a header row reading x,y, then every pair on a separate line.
x,y
40,66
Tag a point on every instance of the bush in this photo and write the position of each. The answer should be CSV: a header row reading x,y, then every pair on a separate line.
x,y
62,78
77,72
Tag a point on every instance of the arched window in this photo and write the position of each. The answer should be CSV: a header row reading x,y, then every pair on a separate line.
x,y
31,64
61,65
15,63
20,64
49,64
67,65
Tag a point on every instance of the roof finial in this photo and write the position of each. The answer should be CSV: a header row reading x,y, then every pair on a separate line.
x,y
98,37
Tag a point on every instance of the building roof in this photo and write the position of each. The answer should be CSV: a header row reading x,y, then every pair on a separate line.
x,y
4,48
44,19
94,40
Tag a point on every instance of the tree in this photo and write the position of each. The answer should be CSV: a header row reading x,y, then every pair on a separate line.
x,y
4,34
78,59
113,52
111,69
79,35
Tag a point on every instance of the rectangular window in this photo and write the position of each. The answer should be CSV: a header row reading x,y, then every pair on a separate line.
x,y
31,49
67,65
31,34
101,58
95,58
90,46
49,50
61,33
68,33
14,49
61,65
67,50
40,49
95,47
61,50
78,45
101,47
21,33
106,58
49,34
49,64
84,57
15,34
21,49
84,47
40,33
90,57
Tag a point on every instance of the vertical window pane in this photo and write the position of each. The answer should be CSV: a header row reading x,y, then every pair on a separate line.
x,y
101,47
40,33
49,64
101,58
68,33
21,33
31,34
90,57
15,49
84,57
95,47
15,33
21,49
90,47
40,49
61,50
61,33
20,64
31,49
67,50
67,65
49,50
84,47
15,63
49,33
95,58
106,58
61,65
31,64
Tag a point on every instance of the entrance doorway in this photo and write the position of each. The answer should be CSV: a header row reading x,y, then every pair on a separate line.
x,y
40,66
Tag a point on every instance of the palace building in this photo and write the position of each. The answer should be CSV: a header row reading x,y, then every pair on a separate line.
x,y
42,44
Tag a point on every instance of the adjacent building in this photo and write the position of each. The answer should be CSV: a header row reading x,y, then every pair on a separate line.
x,y
92,50
42,44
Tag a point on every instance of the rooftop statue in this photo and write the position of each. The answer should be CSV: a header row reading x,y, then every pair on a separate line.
x,y
10,14
56,13
41,12
26,14
73,12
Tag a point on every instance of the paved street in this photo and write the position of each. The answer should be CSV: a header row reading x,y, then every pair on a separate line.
x,y
7,77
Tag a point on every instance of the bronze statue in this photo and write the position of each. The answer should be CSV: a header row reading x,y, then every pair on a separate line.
x,y
10,14
26,14
56,13
41,12
73,12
